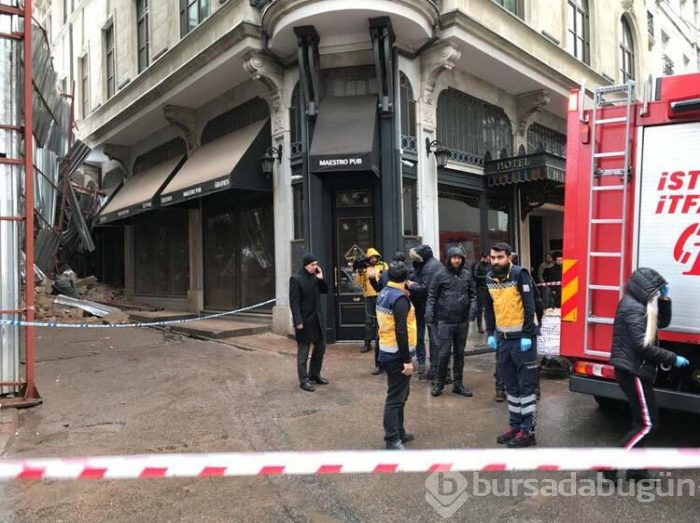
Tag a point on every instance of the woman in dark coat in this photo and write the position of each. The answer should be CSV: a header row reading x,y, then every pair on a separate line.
x,y
636,355
305,289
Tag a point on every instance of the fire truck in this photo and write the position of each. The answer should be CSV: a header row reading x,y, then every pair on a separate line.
x,y
632,200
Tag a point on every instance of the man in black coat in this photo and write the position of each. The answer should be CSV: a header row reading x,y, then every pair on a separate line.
x,y
480,269
305,289
635,354
425,267
451,304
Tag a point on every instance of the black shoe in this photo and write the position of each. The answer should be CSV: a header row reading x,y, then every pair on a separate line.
x,y
521,440
437,389
462,390
407,437
395,445
306,385
500,396
507,436
610,475
377,371
428,376
639,475
320,381
367,347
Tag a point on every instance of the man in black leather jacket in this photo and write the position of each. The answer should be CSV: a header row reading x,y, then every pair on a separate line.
x,y
451,305
643,310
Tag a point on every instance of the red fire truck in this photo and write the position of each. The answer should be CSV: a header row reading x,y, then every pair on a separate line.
x,y
632,200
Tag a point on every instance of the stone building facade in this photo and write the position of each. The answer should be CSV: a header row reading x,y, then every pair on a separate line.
x,y
348,101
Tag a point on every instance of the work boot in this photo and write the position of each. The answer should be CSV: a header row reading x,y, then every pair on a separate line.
x,y
428,376
377,371
437,389
521,440
610,475
500,396
367,347
639,475
395,445
507,436
407,437
306,385
460,389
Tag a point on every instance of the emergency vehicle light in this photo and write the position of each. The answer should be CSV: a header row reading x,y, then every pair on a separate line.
x,y
686,105
573,101
594,370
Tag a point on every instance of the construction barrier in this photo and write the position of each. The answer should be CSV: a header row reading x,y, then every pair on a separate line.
x,y
55,325
347,462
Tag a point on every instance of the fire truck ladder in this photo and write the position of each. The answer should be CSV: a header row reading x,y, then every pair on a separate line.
x,y
606,97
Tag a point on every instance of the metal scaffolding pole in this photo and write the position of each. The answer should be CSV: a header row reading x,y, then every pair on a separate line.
x,y
16,181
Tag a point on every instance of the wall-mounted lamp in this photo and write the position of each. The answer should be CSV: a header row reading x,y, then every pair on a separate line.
x,y
442,154
268,159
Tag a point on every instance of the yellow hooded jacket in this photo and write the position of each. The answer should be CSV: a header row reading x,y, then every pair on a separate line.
x,y
362,277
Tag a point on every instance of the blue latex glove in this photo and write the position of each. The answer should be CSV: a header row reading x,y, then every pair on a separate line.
x,y
681,362
491,342
665,290
525,344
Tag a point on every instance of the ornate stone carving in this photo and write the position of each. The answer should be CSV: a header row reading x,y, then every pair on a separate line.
x,y
434,61
528,105
265,69
627,6
119,153
185,120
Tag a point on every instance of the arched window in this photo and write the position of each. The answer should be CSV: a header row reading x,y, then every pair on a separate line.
x,y
578,32
626,51
407,115
471,128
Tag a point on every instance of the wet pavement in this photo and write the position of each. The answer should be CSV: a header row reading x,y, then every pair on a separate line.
x,y
128,391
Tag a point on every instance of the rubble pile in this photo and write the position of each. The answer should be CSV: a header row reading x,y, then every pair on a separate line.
x,y
82,293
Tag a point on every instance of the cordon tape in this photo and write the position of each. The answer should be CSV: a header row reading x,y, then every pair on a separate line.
x,y
165,323
347,462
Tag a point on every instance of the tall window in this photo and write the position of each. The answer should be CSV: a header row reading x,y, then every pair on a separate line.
x,y
626,52
84,87
460,223
110,76
192,13
578,33
514,6
472,129
410,208
142,32
544,139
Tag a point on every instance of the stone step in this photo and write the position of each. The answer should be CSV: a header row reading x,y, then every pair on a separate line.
x,y
219,329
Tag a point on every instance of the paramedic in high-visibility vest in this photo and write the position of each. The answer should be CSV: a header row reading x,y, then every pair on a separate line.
x,y
510,324
397,338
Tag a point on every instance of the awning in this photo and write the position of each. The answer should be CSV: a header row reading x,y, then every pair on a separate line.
x,y
229,162
540,166
139,192
345,136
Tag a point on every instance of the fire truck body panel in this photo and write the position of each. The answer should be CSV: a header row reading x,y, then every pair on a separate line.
x,y
659,227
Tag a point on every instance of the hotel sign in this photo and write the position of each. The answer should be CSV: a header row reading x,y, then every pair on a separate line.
x,y
536,167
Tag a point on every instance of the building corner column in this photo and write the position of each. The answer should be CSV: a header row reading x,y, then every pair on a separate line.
x,y
439,58
263,68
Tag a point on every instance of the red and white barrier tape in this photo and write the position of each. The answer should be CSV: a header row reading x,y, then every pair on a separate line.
x,y
550,284
346,462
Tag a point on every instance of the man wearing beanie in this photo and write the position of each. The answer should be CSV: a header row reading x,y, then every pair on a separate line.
x,y
305,289
397,338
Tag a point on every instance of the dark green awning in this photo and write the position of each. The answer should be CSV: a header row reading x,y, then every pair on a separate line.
x,y
536,167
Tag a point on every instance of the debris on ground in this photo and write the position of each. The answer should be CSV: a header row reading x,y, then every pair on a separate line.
x,y
79,300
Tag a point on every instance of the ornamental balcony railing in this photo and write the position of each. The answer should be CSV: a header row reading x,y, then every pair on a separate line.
x,y
262,4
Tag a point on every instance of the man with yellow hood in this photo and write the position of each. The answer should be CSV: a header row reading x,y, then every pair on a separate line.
x,y
363,277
